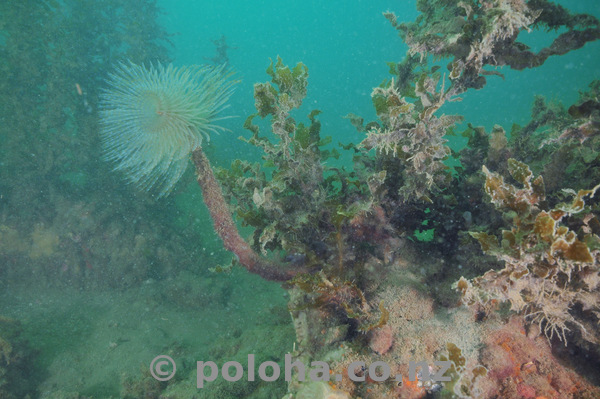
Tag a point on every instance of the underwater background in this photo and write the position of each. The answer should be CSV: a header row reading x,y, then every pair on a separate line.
x,y
97,277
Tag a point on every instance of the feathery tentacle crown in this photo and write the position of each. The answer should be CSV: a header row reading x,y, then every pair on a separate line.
x,y
153,118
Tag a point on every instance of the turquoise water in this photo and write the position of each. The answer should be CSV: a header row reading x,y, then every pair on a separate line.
x,y
347,48
342,46
98,277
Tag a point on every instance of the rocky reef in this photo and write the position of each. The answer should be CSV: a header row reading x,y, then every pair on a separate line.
x,y
367,287
486,258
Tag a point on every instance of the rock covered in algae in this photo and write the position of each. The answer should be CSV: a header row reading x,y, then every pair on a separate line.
x,y
319,390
